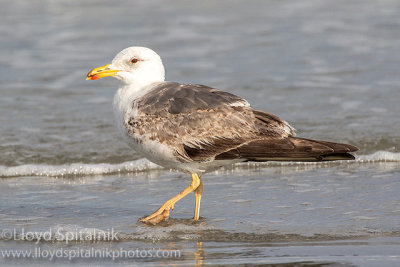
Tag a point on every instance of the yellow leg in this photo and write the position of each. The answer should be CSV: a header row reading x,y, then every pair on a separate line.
x,y
163,212
197,195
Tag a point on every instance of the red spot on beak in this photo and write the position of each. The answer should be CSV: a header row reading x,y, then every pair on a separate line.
x,y
95,77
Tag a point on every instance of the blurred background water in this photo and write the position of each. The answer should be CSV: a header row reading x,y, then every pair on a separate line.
x,y
330,68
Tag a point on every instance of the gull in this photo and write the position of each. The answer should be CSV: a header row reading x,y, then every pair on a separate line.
x,y
196,128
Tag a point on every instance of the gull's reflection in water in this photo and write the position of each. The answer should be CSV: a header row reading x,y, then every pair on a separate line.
x,y
199,254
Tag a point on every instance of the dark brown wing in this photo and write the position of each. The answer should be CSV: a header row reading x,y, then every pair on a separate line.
x,y
290,149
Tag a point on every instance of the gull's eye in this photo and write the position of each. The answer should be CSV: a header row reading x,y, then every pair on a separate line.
x,y
134,60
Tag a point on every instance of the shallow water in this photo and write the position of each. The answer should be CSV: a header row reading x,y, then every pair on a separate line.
x,y
335,213
329,68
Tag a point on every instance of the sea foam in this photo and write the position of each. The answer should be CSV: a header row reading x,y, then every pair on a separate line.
x,y
77,169
143,165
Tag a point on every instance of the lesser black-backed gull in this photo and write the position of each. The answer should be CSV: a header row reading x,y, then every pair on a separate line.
x,y
195,128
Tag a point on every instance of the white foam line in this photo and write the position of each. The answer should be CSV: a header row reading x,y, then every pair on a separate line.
x,y
81,169
379,156
77,169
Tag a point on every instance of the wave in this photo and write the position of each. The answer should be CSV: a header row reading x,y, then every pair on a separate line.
x,y
142,165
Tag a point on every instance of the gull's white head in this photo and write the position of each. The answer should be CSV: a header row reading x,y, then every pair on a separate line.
x,y
133,65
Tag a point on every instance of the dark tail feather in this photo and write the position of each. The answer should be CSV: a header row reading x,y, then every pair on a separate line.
x,y
291,149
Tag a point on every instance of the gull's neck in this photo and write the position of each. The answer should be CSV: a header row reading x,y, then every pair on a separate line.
x,y
126,95
140,83
137,85
133,91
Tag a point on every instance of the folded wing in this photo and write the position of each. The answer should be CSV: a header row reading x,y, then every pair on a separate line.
x,y
205,124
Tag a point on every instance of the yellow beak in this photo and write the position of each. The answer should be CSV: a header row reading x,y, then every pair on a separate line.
x,y
100,72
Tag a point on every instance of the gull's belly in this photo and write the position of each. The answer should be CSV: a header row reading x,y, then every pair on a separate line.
x,y
156,152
